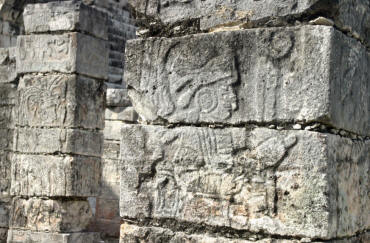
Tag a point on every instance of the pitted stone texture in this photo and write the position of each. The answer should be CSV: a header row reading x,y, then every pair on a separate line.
x,y
309,73
58,100
67,53
132,234
50,215
18,236
117,96
351,15
39,175
291,183
54,140
67,15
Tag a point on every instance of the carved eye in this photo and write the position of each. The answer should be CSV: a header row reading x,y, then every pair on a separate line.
x,y
207,100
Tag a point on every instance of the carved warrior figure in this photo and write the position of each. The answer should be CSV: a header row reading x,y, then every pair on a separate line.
x,y
204,164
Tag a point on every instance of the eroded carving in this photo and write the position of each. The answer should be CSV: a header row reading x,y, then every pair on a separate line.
x,y
220,173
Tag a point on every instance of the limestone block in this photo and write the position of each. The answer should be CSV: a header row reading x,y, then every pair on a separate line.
x,y
54,140
111,150
351,15
117,96
54,176
3,234
126,114
110,170
4,212
308,73
6,115
67,15
5,168
50,215
291,183
59,100
7,94
112,130
19,236
108,209
8,71
132,234
67,53
6,139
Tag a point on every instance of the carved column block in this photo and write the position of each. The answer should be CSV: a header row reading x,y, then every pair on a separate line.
x,y
274,75
58,139
258,180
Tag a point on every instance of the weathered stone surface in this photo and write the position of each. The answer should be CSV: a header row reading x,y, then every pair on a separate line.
x,y
7,94
112,130
54,140
67,15
132,234
50,215
67,53
39,175
3,234
4,213
111,150
18,236
5,168
60,101
117,96
308,73
125,114
6,116
353,15
110,170
8,71
292,183
6,140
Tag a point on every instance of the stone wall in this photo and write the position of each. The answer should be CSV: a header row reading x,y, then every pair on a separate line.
x,y
117,113
120,28
254,122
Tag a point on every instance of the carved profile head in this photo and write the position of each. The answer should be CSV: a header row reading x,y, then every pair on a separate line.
x,y
198,83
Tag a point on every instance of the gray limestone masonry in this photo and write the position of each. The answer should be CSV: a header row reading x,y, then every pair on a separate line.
x,y
55,176
267,75
19,236
66,53
287,183
60,100
50,215
132,234
351,16
65,16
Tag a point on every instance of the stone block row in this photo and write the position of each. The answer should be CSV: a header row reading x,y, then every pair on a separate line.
x,y
19,236
265,75
50,215
133,233
55,140
67,16
55,176
60,100
66,53
287,183
349,15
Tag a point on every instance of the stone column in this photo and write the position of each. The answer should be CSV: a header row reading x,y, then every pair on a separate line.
x,y
7,109
63,63
255,128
